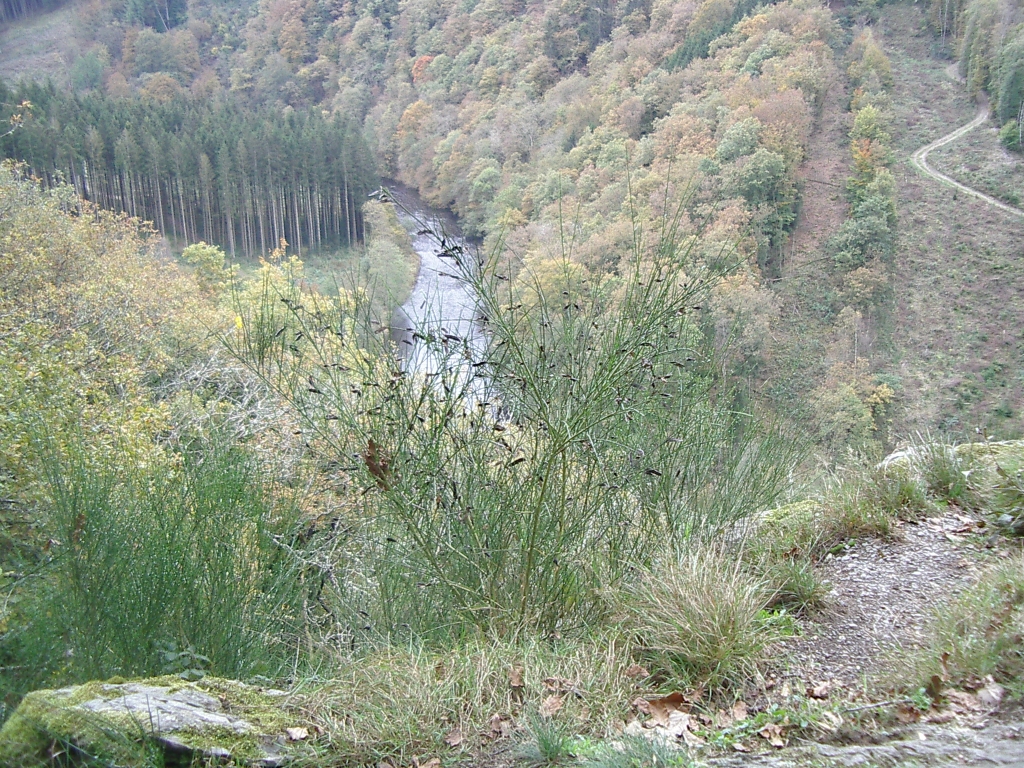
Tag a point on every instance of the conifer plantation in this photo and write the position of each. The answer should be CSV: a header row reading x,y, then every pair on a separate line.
x,y
203,171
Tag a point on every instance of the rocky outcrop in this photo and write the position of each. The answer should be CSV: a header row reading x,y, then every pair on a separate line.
x,y
160,721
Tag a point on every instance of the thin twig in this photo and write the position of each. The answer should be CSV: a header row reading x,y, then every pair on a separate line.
x,y
878,705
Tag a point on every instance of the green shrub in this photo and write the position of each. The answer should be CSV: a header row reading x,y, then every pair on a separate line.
x,y
181,554
1009,135
594,434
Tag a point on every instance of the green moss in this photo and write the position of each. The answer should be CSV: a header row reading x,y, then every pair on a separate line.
x,y
788,529
994,452
48,722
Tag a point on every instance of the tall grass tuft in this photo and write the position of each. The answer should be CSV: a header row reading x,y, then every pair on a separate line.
x,y
697,617
180,554
504,492
946,473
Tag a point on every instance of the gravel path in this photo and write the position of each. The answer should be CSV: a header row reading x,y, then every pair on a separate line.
x,y
882,596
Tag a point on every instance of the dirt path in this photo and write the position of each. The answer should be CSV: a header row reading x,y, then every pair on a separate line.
x,y
920,161
882,596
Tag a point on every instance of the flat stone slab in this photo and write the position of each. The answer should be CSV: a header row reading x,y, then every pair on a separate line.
x,y
122,723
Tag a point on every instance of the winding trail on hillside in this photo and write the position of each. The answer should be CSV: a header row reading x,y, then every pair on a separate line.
x,y
920,161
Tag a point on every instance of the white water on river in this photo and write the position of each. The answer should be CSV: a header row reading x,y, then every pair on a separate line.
x,y
437,326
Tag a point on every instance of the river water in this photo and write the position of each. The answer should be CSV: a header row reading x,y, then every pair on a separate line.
x,y
437,326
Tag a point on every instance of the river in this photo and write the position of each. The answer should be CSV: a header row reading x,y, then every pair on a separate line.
x,y
437,325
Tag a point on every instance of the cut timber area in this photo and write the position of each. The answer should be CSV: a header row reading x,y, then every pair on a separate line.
x,y
35,48
920,161
959,293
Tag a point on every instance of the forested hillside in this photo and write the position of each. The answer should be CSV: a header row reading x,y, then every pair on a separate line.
x,y
987,37
556,131
202,170
707,293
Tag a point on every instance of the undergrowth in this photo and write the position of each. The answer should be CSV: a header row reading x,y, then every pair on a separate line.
x,y
181,554
978,633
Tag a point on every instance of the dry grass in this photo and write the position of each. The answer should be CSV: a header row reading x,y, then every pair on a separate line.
x,y
698,617
399,703
37,48
980,161
979,633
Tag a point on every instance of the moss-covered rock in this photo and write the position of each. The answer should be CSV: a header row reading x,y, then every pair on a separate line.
x,y
161,721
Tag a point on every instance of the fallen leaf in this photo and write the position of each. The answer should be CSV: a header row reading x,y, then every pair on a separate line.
x,y
691,739
830,721
296,734
973,683
773,734
739,711
515,677
562,685
962,701
907,713
934,689
662,707
680,726
678,723
636,672
633,728
500,726
454,738
723,719
739,746
991,695
550,705
819,690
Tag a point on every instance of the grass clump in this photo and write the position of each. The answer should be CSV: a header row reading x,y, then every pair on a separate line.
x,y
856,504
947,474
794,585
979,633
638,752
395,703
698,617
550,742
870,504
